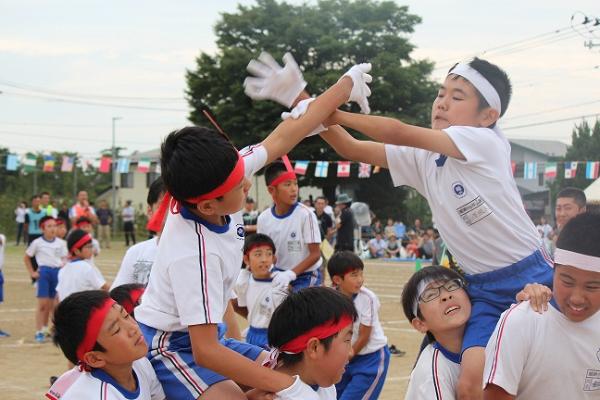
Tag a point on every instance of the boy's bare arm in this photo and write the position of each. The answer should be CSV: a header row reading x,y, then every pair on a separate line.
x,y
352,149
493,392
29,266
210,353
314,254
291,131
364,333
393,131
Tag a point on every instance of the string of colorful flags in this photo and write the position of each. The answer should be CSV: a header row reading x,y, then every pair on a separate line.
x,y
526,170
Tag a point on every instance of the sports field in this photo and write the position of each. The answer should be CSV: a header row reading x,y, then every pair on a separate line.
x,y
25,367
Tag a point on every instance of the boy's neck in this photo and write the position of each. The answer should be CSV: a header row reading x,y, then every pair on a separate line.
x,y
347,294
282,208
302,370
48,238
123,375
212,219
451,340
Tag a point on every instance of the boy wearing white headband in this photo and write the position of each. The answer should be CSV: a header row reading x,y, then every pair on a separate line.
x,y
555,355
462,166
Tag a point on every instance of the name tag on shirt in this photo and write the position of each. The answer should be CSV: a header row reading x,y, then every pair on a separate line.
x,y
293,246
474,211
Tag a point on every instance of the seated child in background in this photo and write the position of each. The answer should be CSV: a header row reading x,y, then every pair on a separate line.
x,y
554,355
85,224
128,295
257,296
366,372
79,273
392,249
436,303
377,246
99,335
312,331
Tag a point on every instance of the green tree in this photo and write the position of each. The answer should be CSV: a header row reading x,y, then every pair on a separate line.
x,y
325,38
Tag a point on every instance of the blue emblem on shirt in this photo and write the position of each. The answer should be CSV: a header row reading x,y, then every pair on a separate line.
x,y
458,189
293,234
240,231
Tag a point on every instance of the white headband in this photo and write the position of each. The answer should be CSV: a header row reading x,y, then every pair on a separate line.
x,y
481,84
577,260
420,289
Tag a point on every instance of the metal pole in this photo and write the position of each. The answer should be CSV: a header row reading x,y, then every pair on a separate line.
x,y
75,177
114,176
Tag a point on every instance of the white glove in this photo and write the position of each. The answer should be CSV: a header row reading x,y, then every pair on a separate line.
x,y
360,90
298,390
283,278
299,111
282,85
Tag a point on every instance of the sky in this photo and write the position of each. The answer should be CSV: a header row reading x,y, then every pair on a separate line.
x,y
68,68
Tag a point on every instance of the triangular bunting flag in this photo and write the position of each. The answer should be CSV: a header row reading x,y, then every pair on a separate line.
x,y
105,162
67,164
343,169
143,165
123,165
364,170
48,163
591,169
530,170
12,162
29,162
513,167
321,169
570,169
300,167
550,170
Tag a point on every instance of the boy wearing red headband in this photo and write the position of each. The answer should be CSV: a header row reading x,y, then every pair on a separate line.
x,y
555,355
294,229
96,333
200,252
61,228
257,295
366,372
50,253
128,295
79,273
85,224
311,332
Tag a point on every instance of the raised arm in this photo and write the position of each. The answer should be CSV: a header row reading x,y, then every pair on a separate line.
x,y
393,131
353,149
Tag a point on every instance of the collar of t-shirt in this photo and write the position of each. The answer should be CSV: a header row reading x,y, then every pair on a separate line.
x,y
287,214
454,357
187,214
104,377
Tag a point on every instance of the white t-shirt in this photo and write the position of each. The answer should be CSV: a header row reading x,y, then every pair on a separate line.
x,y
367,306
77,385
20,215
291,233
544,356
259,296
435,376
475,203
321,393
128,214
137,263
48,253
2,247
77,276
196,266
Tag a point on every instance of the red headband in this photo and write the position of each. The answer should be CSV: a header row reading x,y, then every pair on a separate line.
x,y
60,221
234,178
297,345
131,303
82,223
92,329
289,173
79,244
260,244
46,221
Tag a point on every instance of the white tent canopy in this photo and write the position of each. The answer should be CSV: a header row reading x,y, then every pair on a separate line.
x,y
592,192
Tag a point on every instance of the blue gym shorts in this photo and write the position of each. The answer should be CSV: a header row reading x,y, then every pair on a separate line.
x,y
46,284
1,287
306,279
170,354
364,376
494,292
258,337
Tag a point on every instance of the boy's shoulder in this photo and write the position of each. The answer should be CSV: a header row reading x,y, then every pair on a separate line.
x,y
366,293
434,374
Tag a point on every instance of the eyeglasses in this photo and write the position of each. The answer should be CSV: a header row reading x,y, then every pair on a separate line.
x,y
435,292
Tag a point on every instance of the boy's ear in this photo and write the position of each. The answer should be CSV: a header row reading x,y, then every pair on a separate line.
x,y
271,190
274,259
247,261
207,206
488,116
419,325
337,280
94,359
312,348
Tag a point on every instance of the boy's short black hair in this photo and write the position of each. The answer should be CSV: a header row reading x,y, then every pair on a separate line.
x,y
581,235
258,239
194,161
343,262
35,196
70,321
574,193
44,219
304,310
83,220
122,294
273,170
409,293
44,193
497,77
74,237
156,189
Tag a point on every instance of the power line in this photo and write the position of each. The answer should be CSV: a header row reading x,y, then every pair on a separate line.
x,y
104,126
74,139
552,110
555,121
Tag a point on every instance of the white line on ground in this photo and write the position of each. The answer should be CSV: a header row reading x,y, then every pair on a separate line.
x,y
16,310
397,378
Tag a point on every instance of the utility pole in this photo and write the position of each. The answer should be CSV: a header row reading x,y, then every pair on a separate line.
x,y
114,176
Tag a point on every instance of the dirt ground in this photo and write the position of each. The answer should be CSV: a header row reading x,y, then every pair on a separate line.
x,y
25,367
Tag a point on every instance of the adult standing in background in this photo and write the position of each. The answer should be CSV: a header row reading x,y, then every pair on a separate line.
x,y
82,208
345,226
105,218
325,221
128,215
64,214
45,205
20,213
250,216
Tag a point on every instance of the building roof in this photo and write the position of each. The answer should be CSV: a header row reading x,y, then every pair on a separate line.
x,y
592,192
153,155
550,148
